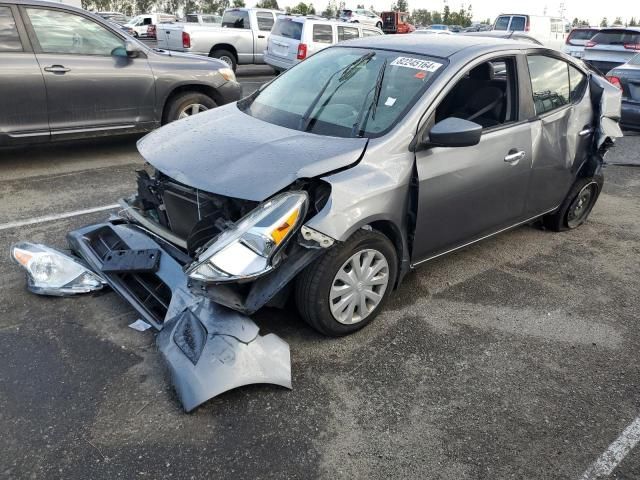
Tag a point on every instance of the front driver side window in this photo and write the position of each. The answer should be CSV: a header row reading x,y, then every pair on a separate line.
x,y
486,95
68,33
549,82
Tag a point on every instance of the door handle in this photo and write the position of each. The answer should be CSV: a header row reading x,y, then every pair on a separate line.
x,y
260,36
57,69
515,157
585,132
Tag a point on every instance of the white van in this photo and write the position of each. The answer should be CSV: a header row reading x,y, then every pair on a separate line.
x,y
140,23
295,38
550,31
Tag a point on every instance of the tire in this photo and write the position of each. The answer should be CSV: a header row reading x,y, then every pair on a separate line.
x,y
226,56
575,208
181,102
314,285
379,25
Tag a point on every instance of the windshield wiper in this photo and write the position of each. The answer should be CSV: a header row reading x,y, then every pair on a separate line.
x,y
349,71
377,89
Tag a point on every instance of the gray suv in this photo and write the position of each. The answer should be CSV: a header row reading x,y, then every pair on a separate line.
x,y
67,73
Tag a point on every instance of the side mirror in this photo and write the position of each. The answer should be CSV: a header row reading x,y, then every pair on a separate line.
x,y
454,132
130,50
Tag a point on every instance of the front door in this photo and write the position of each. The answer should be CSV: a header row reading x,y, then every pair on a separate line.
x,y
23,105
466,193
88,88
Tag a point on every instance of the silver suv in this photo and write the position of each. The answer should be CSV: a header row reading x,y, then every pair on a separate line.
x,y
612,47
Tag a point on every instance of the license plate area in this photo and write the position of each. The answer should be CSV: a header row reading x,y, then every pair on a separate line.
x,y
122,261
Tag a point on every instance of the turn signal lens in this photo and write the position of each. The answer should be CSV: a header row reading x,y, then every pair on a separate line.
x,y
280,233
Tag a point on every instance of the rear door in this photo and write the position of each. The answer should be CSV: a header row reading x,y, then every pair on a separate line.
x,y
88,89
23,102
264,24
562,128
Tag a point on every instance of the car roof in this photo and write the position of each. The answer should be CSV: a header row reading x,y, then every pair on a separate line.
x,y
443,46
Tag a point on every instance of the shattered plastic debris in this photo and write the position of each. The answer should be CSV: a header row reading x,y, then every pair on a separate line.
x,y
140,325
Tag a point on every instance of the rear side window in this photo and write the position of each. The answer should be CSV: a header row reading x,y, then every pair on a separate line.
x,y
502,23
370,33
285,27
577,84
617,37
9,38
347,33
265,21
550,83
322,33
580,37
236,19
518,24
192,19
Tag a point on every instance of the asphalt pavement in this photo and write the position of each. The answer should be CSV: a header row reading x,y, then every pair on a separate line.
x,y
514,358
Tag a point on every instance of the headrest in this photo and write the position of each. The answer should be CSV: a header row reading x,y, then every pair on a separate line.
x,y
484,71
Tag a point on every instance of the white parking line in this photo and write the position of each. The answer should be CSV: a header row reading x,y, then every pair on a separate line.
x,y
57,216
616,452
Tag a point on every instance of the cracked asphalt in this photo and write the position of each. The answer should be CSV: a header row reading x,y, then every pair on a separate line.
x,y
514,358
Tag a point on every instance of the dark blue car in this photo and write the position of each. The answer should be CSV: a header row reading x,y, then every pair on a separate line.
x,y
627,78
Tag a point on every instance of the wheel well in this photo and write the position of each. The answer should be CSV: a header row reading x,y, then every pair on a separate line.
x,y
389,230
224,46
204,89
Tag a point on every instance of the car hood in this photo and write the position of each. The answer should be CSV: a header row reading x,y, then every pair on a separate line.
x,y
228,152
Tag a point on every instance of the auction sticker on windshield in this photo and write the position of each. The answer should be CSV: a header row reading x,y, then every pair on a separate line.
x,y
418,64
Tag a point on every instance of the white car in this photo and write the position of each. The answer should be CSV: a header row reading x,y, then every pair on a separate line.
x,y
295,38
140,23
360,15
577,40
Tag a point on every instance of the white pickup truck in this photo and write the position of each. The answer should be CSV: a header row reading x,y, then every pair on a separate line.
x,y
241,39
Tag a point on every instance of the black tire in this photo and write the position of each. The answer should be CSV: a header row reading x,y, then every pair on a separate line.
x,y
379,25
181,101
563,218
313,285
226,56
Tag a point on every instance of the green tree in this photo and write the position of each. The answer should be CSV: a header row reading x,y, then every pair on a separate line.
x,y
446,14
421,16
604,22
633,22
300,9
617,21
273,4
238,4
436,17
143,6
360,5
331,10
575,22
401,6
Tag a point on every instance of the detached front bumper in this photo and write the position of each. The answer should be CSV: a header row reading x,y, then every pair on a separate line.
x,y
209,348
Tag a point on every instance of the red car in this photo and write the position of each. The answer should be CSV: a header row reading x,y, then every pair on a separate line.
x,y
396,22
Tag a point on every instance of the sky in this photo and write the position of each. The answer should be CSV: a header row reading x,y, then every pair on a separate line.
x,y
591,10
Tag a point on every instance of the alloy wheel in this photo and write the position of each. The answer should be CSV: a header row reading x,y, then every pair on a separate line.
x,y
192,110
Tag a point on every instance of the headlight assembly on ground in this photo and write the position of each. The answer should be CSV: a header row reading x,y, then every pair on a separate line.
x,y
50,272
251,247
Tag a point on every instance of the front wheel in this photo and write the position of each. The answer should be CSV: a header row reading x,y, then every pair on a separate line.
x,y
576,206
187,104
379,25
345,289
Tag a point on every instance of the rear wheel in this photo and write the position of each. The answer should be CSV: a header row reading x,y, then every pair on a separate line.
x,y
187,104
576,206
345,289
379,25
226,56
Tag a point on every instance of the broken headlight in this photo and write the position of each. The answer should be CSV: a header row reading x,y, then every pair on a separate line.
x,y
251,247
50,272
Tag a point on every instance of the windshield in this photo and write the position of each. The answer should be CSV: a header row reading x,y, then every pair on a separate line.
x,y
345,92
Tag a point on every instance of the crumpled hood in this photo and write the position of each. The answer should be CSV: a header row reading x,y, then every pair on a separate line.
x,y
227,152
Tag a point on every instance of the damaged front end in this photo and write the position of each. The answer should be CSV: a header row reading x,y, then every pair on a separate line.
x,y
194,265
